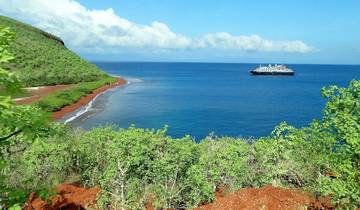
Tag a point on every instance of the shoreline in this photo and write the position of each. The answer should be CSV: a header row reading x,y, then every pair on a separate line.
x,y
86,99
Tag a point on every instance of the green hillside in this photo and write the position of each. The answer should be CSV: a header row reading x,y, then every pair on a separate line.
x,y
43,59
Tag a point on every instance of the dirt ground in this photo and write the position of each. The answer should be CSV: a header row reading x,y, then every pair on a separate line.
x,y
69,197
74,197
39,92
266,198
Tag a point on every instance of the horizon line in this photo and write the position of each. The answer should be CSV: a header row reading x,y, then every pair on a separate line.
x,y
224,62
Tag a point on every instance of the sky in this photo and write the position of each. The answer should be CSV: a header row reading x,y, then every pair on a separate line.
x,y
245,31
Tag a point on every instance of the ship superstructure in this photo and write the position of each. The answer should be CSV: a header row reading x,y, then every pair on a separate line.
x,y
273,70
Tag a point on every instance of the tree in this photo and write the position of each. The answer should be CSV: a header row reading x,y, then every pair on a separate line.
x,y
15,119
341,119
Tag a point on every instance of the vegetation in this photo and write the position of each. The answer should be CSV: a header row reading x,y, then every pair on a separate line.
x,y
15,119
25,121
55,101
133,166
43,59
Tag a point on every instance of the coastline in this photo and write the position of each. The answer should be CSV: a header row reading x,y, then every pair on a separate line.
x,y
86,99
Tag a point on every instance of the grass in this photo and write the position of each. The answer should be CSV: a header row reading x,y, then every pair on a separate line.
x,y
43,59
20,94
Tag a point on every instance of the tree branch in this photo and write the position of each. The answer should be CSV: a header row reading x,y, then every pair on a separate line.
x,y
353,107
10,135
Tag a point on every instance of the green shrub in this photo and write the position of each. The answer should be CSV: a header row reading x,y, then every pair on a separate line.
x,y
55,101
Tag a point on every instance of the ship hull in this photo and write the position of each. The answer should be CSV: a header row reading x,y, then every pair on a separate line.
x,y
273,73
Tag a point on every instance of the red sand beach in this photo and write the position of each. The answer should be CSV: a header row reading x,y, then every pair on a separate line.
x,y
39,92
86,99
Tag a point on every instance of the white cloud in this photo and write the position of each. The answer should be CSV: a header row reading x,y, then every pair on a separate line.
x,y
103,30
252,43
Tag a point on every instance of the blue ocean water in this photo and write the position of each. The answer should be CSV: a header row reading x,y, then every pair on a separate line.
x,y
200,98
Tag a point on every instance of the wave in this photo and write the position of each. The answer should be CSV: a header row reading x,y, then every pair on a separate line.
x,y
133,80
89,106
128,79
84,110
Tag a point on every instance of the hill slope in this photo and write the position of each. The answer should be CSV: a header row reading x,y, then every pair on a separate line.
x,y
43,59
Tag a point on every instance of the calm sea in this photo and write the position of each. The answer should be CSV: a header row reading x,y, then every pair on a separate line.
x,y
200,98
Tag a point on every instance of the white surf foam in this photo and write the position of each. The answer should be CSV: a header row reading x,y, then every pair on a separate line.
x,y
133,80
83,111
89,106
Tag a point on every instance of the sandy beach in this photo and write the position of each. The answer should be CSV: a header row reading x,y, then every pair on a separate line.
x,y
86,99
38,92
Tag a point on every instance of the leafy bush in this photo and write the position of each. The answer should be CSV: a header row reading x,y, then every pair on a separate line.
x,y
130,165
221,163
21,122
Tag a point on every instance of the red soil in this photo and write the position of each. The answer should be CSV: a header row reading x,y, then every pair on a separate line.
x,y
39,92
86,99
266,198
69,197
74,197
